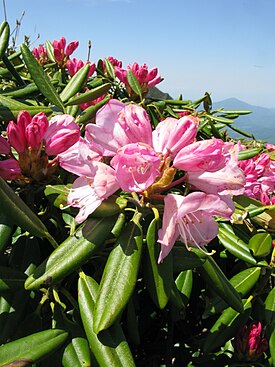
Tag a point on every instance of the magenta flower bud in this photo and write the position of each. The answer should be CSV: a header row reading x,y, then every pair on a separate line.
x,y
10,169
35,131
249,344
114,61
16,137
62,133
136,167
4,146
136,123
35,53
72,46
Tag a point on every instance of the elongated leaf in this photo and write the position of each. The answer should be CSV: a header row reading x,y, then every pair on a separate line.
x,y
248,153
269,305
32,348
184,283
226,327
243,282
158,277
134,83
109,347
184,259
234,244
119,276
7,114
11,279
6,229
19,213
91,111
50,52
261,244
75,84
90,95
40,78
216,280
272,347
72,253
110,69
4,38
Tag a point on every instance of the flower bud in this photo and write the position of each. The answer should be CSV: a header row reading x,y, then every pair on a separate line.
x,y
10,169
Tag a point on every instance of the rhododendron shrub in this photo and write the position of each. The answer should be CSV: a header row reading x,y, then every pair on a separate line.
x,y
134,231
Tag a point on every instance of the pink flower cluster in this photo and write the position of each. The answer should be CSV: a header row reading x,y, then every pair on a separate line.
x,y
145,162
40,53
260,177
35,139
74,65
147,78
249,344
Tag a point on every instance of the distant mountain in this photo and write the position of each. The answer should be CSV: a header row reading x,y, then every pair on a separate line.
x,y
261,122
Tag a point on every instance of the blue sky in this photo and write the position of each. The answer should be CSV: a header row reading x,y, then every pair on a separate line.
x,y
225,47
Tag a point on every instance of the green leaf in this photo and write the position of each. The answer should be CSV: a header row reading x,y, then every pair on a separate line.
x,y
269,305
19,213
184,283
216,280
248,153
4,37
119,276
75,84
72,253
261,244
134,83
11,279
50,51
6,229
91,95
109,347
110,69
226,327
158,277
32,348
91,111
272,347
40,78
184,259
234,244
243,282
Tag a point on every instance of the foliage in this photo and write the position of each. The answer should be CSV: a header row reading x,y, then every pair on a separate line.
x,y
94,293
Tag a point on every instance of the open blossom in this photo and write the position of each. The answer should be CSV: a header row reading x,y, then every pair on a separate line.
x,y
61,134
73,65
136,166
87,193
107,132
171,134
190,219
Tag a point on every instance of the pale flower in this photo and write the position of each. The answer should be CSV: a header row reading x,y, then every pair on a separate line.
x,y
190,219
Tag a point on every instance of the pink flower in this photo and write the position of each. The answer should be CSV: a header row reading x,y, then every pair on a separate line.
x,y
204,155
249,344
114,62
4,146
62,133
147,78
10,169
171,135
36,129
61,52
40,53
88,193
78,157
136,166
190,220
107,132
16,131
75,65
136,123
